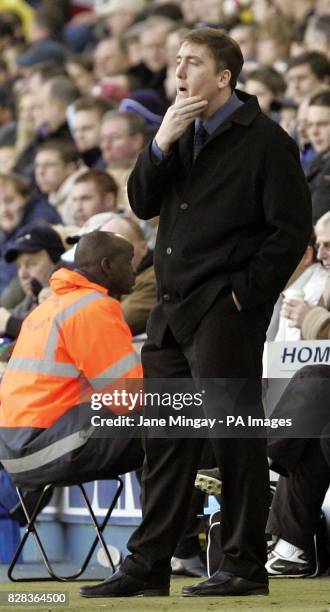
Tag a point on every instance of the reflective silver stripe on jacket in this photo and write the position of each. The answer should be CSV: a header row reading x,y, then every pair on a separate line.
x,y
55,368
48,365
62,316
117,370
49,453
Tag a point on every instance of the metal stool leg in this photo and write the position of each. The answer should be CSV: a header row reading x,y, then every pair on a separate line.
x,y
30,528
99,528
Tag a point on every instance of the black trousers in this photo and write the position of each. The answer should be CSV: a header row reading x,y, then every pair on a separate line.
x,y
98,459
102,458
303,461
296,507
227,344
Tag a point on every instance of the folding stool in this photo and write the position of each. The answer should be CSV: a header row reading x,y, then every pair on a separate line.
x,y
31,528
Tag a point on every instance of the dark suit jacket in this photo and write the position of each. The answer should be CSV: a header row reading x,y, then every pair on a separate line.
x,y
238,217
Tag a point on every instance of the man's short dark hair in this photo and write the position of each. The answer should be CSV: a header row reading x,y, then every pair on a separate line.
x,y
62,88
65,149
322,98
104,182
224,49
318,63
135,123
19,183
269,77
97,105
49,69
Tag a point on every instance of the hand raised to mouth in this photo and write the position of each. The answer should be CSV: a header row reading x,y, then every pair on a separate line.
x,y
177,118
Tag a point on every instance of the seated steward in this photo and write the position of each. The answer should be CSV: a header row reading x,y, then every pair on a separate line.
x,y
74,339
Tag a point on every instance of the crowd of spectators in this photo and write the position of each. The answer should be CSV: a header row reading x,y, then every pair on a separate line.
x,y
84,85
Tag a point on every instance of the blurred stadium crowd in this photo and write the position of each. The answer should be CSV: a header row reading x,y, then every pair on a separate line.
x,y
84,85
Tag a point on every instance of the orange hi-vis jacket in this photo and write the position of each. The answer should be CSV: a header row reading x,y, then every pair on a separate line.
x,y
74,341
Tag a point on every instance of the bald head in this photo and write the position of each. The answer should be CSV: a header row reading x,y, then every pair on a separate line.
x,y
94,246
106,258
129,229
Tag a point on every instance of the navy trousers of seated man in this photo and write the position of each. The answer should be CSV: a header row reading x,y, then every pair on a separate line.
x,y
226,344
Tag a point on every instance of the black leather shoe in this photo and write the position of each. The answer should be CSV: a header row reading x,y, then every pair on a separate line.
x,y
223,583
122,585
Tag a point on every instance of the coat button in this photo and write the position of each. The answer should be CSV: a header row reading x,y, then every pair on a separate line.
x,y
184,206
166,297
168,251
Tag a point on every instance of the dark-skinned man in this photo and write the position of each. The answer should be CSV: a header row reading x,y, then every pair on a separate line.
x,y
72,344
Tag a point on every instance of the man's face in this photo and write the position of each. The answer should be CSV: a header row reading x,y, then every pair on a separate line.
x,y
119,22
6,115
81,77
302,123
323,245
87,127
26,110
117,146
192,10
12,206
268,51
153,47
87,201
288,118
322,7
38,116
213,10
33,265
34,81
51,111
301,82
196,75
319,127
317,41
109,59
173,44
264,95
50,171
244,36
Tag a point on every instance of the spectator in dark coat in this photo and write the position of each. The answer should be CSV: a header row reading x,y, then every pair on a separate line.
x,y
319,135
56,95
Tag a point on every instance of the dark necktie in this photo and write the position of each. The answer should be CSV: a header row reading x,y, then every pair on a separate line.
x,y
199,139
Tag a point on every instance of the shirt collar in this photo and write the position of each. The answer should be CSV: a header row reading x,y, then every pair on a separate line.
x,y
220,115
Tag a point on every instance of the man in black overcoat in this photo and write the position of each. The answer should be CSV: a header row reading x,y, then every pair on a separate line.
x,y
235,219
